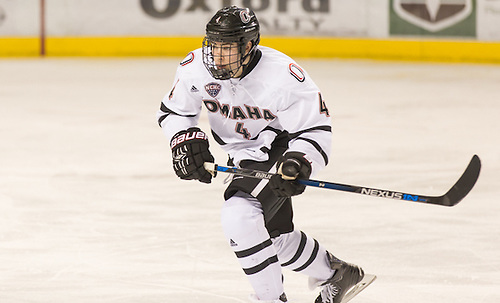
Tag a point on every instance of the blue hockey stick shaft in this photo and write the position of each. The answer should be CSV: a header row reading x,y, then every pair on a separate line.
x,y
458,191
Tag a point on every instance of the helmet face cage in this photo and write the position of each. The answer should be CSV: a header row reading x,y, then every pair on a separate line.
x,y
227,37
223,59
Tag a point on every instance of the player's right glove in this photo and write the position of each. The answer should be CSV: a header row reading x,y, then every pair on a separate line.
x,y
292,166
189,153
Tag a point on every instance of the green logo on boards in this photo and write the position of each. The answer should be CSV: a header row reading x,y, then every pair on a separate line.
x,y
454,18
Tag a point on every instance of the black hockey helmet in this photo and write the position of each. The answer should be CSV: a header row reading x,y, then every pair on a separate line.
x,y
235,26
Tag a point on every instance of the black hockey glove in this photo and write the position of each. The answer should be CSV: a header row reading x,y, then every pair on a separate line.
x,y
189,152
293,165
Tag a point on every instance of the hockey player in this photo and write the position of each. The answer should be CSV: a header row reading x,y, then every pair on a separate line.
x,y
266,113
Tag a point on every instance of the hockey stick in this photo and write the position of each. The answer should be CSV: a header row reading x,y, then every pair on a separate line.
x,y
456,193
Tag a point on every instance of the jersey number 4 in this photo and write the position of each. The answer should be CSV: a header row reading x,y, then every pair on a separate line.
x,y
241,130
322,106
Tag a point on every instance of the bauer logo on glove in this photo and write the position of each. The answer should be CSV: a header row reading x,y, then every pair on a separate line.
x,y
181,137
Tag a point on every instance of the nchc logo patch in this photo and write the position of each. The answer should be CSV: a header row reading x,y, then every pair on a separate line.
x,y
433,17
213,89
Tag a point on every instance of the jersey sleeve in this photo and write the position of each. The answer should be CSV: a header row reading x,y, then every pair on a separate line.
x,y
305,116
180,109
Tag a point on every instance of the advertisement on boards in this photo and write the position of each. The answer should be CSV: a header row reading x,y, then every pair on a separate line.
x,y
441,18
283,17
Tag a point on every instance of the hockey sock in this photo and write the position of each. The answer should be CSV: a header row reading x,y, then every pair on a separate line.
x,y
301,253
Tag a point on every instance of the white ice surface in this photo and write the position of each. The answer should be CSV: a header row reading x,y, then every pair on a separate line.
x,y
90,210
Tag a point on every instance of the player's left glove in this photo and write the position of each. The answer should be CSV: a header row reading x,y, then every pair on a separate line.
x,y
292,166
189,153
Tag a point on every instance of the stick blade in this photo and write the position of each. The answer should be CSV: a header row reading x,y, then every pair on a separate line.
x,y
463,186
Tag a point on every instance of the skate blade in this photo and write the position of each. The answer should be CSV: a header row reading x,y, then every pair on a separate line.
x,y
356,289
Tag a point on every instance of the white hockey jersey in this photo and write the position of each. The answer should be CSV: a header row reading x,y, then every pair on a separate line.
x,y
246,114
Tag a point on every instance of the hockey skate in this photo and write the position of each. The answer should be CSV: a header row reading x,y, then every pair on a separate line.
x,y
345,284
